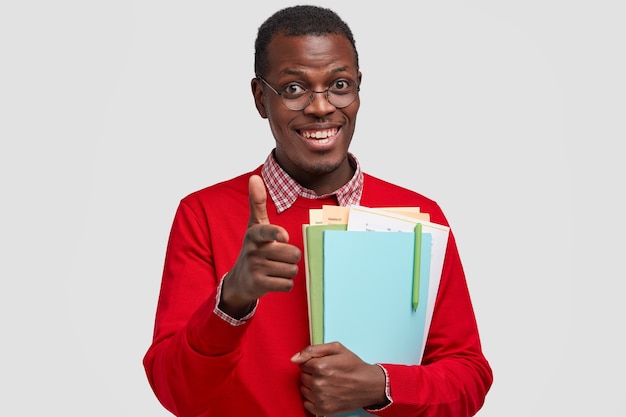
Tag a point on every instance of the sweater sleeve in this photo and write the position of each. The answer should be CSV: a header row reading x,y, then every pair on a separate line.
x,y
185,368
454,376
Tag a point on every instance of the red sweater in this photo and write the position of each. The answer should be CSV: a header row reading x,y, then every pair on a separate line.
x,y
246,370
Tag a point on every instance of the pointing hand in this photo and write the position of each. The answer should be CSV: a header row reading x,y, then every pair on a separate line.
x,y
266,262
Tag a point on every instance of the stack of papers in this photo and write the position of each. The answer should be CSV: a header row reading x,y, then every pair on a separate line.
x,y
372,280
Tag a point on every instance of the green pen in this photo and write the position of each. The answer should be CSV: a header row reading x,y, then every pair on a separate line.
x,y
416,266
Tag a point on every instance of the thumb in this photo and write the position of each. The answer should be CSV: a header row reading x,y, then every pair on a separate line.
x,y
316,351
257,196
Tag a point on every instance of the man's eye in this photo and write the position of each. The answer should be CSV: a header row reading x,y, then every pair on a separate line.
x,y
340,85
294,90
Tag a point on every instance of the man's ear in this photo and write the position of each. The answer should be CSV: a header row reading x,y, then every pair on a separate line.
x,y
257,93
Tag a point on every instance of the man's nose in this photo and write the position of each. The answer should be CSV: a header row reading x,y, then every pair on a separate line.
x,y
319,104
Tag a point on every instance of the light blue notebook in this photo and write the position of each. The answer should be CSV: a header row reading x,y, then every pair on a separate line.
x,y
368,281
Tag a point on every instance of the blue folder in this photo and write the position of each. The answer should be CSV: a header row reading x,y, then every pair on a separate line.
x,y
368,287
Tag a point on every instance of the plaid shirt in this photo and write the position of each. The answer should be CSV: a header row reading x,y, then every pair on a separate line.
x,y
284,190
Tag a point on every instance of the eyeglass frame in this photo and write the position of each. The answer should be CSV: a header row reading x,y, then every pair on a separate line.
x,y
311,96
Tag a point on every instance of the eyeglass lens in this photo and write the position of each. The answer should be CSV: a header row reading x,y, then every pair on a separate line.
x,y
339,99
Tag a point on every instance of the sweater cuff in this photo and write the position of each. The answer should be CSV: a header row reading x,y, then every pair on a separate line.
x,y
227,318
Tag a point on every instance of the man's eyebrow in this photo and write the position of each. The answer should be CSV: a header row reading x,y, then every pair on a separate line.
x,y
288,71
292,72
340,69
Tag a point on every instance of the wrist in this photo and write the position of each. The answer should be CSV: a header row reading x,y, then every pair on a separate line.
x,y
230,301
383,390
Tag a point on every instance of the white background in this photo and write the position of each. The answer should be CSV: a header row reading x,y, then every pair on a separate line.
x,y
509,114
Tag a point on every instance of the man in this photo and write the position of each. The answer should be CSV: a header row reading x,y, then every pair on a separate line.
x,y
231,331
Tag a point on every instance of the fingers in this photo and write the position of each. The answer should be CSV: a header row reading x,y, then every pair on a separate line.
x,y
266,233
334,380
274,260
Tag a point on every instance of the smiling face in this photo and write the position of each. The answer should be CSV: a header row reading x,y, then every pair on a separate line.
x,y
311,144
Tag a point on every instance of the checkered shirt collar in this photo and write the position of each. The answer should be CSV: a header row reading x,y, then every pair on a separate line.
x,y
284,190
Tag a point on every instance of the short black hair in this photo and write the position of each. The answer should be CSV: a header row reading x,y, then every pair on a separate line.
x,y
298,21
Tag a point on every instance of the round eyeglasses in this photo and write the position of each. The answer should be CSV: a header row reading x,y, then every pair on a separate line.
x,y
341,93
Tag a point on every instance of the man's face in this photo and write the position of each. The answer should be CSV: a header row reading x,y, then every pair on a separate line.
x,y
311,144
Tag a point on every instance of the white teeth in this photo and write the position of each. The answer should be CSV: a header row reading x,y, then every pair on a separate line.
x,y
319,134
